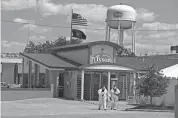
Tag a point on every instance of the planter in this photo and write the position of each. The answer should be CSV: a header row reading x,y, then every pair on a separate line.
x,y
131,100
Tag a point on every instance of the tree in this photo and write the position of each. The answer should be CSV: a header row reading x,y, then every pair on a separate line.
x,y
31,47
124,52
62,41
44,47
152,84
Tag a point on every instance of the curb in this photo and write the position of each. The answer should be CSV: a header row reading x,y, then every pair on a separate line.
x,y
149,110
90,102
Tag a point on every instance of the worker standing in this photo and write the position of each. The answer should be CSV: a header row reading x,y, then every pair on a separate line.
x,y
114,97
102,92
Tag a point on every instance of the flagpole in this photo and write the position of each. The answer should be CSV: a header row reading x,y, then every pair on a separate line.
x,y
71,25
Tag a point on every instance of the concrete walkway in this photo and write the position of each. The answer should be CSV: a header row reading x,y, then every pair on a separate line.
x,y
58,108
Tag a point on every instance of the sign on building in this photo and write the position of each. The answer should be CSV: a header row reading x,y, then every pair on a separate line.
x,y
102,58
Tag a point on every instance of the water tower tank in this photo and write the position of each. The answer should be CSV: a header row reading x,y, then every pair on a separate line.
x,y
124,13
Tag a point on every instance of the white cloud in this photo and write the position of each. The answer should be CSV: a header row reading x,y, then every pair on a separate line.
x,y
31,26
20,20
158,33
12,47
96,15
92,12
151,41
37,38
159,26
18,4
48,8
145,15
163,34
9,44
151,49
157,41
35,28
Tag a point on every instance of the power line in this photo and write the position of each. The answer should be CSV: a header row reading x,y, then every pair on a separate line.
x,y
35,24
62,26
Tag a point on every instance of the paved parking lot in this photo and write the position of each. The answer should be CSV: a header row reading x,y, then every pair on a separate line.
x,y
58,108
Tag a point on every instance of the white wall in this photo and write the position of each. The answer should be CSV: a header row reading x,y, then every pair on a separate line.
x,y
8,73
70,90
42,68
80,56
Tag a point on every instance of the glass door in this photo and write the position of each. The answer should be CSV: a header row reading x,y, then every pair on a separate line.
x,y
61,84
95,85
87,86
122,85
104,79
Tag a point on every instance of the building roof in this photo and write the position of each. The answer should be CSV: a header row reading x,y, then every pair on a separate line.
x,y
166,56
137,63
84,45
142,63
50,61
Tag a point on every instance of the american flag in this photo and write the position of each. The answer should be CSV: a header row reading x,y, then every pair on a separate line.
x,y
77,19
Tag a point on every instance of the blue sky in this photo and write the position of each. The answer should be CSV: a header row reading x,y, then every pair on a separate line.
x,y
151,15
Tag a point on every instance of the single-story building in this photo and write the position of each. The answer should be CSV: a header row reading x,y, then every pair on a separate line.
x,y
11,68
78,71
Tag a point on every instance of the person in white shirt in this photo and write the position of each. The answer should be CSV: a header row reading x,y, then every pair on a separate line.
x,y
102,92
114,97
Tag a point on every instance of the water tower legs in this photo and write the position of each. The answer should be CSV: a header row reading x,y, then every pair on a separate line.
x,y
118,37
106,35
133,37
109,33
121,38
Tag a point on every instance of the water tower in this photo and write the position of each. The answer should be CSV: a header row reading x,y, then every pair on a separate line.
x,y
121,17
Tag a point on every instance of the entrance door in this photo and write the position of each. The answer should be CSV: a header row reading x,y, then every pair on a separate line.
x,y
91,85
87,86
95,85
123,86
114,80
61,84
104,79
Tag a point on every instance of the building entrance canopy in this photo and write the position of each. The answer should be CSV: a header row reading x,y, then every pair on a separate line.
x,y
106,67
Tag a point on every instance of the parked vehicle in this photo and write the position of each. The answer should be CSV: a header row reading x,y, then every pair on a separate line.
x,y
4,85
14,86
